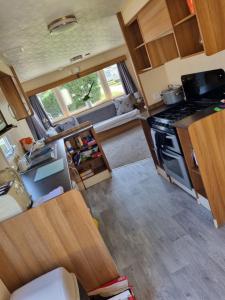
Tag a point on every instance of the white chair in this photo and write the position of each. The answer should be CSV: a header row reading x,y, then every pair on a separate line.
x,y
58,284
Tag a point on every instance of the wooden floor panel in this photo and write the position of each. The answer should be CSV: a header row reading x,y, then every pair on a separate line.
x,y
159,236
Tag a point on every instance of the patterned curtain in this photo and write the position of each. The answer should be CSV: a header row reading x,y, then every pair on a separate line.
x,y
39,121
128,83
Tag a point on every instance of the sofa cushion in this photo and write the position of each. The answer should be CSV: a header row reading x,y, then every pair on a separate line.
x,y
117,121
124,104
65,125
99,114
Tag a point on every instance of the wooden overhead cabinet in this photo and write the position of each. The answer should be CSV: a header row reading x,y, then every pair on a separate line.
x,y
186,28
154,20
149,36
211,18
200,28
15,96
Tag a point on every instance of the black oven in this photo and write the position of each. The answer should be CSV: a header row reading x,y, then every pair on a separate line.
x,y
169,154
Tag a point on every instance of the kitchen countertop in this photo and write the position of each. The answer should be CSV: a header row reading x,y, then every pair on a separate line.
x,y
186,122
46,185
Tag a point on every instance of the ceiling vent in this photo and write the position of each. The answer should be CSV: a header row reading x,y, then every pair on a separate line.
x,y
62,24
76,58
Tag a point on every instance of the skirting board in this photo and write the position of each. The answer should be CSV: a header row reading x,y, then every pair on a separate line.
x,y
190,192
97,178
161,172
204,202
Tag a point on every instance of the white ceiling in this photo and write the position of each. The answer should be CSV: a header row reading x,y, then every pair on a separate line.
x,y
23,23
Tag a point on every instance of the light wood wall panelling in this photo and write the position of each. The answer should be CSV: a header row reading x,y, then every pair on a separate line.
x,y
61,232
208,140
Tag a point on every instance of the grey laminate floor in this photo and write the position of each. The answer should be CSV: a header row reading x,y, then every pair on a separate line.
x,y
159,236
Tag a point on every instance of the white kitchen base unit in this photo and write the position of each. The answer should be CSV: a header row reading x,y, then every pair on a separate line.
x,y
97,178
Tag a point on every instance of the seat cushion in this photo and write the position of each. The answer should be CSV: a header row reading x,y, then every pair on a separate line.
x,y
124,104
117,121
65,125
98,114
57,284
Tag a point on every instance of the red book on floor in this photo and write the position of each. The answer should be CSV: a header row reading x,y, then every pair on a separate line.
x,y
111,288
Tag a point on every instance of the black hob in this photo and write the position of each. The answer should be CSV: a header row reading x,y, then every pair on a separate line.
x,y
164,120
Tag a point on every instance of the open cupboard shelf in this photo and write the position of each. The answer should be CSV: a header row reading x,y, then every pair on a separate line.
x,y
197,26
186,28
141,58
179,10
134,32
162,50
184,20
87,158
188,37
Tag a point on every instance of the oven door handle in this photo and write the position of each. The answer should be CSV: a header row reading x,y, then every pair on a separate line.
x,y
170,154
170,137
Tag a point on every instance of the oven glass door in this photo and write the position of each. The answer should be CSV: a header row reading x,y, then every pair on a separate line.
x,y
175,166
166,140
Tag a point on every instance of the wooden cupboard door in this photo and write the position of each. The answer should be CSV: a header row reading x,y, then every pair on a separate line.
x,y
154,20
211,18
14,98
208,140
59,233
23,95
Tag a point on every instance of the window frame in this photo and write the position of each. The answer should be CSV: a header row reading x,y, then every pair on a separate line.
x,y
63,107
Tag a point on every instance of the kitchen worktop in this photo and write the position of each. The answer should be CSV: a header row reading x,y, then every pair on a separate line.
x,y
46,185
186,122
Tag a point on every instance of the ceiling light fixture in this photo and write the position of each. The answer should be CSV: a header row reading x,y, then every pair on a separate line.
x,y
62,24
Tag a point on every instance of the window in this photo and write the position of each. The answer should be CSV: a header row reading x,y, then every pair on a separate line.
x,y
114,81
83,93
6,147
